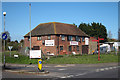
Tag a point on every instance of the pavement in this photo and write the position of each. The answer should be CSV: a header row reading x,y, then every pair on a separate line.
x,y
60,70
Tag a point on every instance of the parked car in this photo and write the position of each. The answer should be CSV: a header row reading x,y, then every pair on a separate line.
x,y
102,50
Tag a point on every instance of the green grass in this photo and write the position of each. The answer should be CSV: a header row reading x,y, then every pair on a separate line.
x,y
63,59
85,59
21,60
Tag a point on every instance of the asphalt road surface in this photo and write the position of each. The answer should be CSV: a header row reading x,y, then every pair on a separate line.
x,y
68,71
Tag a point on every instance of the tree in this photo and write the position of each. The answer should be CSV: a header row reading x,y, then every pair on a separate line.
x,y
21,41
74,24
94,30
16,41
15,45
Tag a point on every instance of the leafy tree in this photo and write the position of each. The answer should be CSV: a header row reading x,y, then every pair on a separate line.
x,y
21,41
94,30
112,40
14,44
16,41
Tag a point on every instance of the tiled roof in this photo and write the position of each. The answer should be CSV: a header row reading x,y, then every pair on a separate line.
x,y
52,28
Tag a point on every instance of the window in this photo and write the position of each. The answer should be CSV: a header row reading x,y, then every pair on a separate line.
x,y
43,42
69,38
39,38
77,48
28,38
83,39
70,48
61,48
63,37
49,37
77,38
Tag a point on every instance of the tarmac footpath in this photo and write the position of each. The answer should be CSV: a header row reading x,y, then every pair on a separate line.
x,y
33,68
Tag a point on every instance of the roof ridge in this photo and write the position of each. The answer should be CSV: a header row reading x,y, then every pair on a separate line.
x,y
64,23
55,22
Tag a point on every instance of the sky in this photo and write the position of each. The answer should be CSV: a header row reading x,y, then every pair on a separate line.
x,y
17,15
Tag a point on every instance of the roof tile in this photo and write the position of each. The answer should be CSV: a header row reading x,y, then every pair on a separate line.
x,y
56,28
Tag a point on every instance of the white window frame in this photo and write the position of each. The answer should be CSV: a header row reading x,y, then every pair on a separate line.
x,y
63,37
49,37
83,39
39,38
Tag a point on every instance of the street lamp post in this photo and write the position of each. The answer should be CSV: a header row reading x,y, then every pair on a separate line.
x,y
4,13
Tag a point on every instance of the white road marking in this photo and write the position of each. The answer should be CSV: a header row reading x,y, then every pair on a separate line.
x,y
106,68
63,77
102,69
68,76
114,67
61,69
110,67
71,75
60,66
80,74
97,70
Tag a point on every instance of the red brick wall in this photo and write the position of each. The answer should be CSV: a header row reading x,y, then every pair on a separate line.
x,y
54,49
35,42
66,45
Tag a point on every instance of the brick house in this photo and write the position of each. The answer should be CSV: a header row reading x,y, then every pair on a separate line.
x,y
58,38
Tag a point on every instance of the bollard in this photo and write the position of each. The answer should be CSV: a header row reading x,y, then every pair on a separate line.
x,y
40,64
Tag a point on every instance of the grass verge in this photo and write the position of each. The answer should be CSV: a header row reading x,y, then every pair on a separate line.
x,y
77,59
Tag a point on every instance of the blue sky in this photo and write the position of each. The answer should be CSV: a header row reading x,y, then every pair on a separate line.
x,y
17,18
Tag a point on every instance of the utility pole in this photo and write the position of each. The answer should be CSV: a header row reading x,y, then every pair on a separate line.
x,y
30,22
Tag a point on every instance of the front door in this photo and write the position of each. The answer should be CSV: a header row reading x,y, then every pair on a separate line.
x,y
84,49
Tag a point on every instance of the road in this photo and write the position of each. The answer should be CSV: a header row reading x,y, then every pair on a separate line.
x,y
69,71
